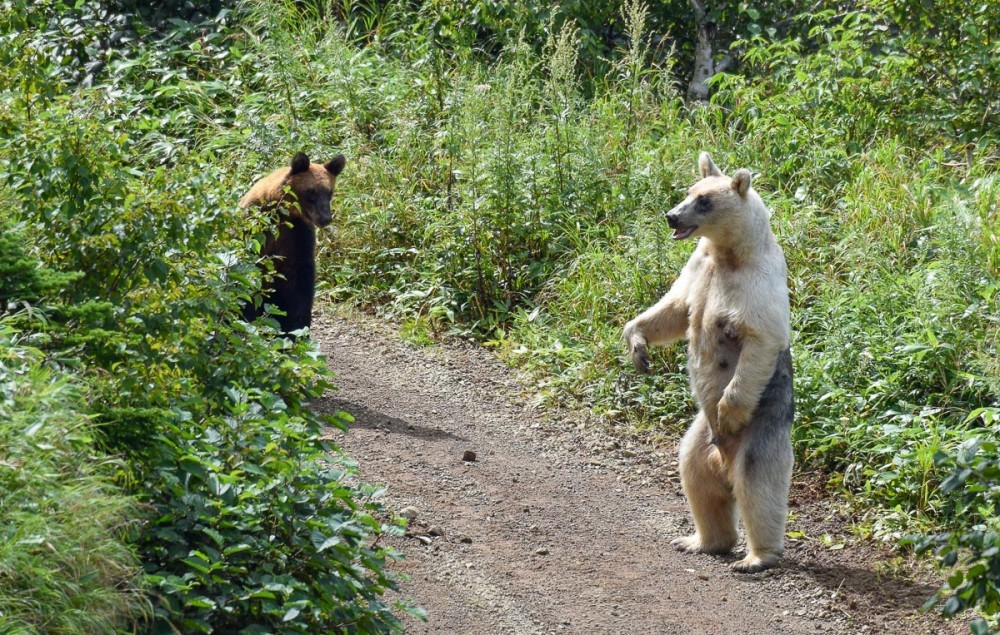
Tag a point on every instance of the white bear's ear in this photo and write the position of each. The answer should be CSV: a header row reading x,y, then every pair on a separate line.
x,y
741,181
706,166
300,163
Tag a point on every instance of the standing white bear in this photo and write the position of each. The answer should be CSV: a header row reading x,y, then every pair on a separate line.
x,y
731,302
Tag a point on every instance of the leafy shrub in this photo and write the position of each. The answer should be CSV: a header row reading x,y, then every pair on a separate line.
x,y
255,530
971,555
22,281
949,55
246,529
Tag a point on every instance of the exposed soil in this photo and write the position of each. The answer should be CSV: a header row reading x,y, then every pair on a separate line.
x,y
560,525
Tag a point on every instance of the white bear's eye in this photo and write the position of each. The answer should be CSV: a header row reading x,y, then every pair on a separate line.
x,y
702,204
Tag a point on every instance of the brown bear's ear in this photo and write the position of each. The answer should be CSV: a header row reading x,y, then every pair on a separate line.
x,y
300,163
706,167
336,165
741,181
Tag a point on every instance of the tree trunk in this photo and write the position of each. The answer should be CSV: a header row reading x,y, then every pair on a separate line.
x,y
704,67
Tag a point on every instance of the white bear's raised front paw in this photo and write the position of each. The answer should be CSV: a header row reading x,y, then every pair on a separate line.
x,y
640,358
636,342
732,416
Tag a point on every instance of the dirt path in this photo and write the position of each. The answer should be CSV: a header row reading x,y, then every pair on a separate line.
x,y
557,527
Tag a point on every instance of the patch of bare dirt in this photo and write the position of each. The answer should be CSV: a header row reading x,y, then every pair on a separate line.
x,y
559,526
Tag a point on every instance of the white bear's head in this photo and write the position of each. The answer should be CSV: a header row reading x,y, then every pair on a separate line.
x,y
718,207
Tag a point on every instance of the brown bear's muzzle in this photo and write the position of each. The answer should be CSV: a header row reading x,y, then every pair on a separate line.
x,y
320,212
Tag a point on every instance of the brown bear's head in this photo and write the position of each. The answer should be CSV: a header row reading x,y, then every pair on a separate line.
x,y
313,186
717,206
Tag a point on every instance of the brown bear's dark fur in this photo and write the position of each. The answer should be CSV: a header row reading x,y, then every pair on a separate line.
x,y
301,194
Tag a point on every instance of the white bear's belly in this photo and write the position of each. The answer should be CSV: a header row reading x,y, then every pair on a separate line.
x,y
713,353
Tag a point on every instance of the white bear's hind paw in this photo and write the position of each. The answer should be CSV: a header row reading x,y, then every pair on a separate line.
x,y
754,563
694,544
687,544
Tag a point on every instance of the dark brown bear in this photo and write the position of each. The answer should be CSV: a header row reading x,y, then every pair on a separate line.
x,y
301,195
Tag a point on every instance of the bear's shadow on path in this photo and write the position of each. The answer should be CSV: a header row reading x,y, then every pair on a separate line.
x,y
881,591
365,417
871,590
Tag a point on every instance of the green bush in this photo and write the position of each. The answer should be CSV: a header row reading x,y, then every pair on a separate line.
x,y
254,529
245,528
970,556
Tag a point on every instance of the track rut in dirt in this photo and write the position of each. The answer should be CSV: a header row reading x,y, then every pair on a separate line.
x,y
559,526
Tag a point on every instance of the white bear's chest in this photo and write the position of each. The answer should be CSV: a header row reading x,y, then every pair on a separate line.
x,y
717,302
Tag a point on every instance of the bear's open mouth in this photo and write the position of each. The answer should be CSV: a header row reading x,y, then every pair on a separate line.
x,y
683,232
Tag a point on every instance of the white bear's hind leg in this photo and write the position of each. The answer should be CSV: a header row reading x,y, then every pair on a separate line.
x,y
761,480
711,501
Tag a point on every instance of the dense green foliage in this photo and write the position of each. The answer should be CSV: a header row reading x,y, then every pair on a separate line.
x,y
509,165
975,481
